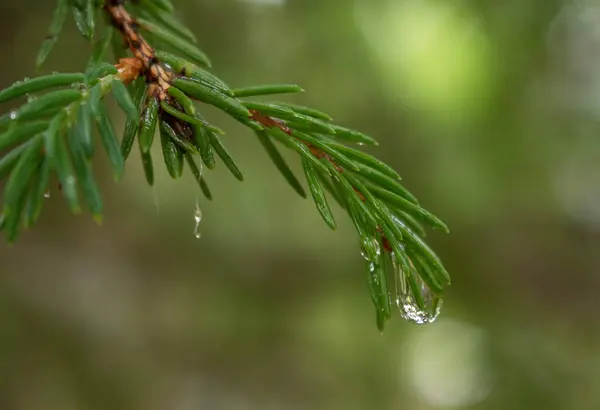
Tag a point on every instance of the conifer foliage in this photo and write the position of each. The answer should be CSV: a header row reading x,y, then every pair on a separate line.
x,y
161,80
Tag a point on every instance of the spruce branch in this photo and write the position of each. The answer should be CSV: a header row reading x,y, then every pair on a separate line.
x,y
160,81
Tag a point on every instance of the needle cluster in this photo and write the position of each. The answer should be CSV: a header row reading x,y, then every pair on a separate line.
x,y
161,80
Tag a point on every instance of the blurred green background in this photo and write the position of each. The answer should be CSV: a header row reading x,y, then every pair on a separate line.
x,y
489,110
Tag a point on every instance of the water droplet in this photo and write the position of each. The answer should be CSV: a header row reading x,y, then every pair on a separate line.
x,y
370,249
200,170
14,115
25,79
197,219
416,302
54,72
79,86
30,98
47,194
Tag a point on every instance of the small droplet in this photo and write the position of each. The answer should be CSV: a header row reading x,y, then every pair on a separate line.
x,y
200,170
370,249
25,79
197,219
47,194
417,303
14,115
30,98
54,72
79,86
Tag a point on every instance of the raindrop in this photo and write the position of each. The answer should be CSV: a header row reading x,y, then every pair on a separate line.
x,y
416,302
47,194
30,98
369,248
25,79
79,86
14,115
197,219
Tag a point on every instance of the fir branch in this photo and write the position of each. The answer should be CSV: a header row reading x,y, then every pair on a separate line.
x,y
161,87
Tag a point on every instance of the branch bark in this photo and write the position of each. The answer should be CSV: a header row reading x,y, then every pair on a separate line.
x,y
144,59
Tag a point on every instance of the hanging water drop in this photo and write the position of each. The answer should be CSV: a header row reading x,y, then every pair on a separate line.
x,y
13,115
47,194
197,219
415,300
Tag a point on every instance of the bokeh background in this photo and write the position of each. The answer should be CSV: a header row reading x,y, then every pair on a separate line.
x,y
489,110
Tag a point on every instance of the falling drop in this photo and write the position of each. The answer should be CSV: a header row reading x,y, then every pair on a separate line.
x,y
416,301
197,219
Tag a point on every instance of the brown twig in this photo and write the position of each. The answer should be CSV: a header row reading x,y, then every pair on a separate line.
x,y
144,61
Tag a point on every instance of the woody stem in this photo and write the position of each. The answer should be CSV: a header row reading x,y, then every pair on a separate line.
x,y
156,73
